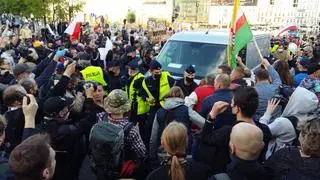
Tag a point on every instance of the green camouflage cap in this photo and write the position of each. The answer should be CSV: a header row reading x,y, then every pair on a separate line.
x,y
117,102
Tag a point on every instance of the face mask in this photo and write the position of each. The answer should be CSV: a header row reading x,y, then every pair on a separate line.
x,y
157,76
111,73
129,58
189,80
32,76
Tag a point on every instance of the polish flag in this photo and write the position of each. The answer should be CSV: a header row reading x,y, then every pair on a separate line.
x,y
74,28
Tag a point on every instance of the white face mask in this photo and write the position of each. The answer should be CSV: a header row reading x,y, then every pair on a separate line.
x,y
32,76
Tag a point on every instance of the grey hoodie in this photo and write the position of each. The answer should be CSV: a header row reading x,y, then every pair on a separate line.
x,y
172,103
303,104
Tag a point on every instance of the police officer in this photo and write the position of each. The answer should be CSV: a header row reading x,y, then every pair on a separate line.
x,y
187,83
139,108
115,79
154,90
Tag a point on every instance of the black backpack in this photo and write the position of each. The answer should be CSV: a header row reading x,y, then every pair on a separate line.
x,y
107,149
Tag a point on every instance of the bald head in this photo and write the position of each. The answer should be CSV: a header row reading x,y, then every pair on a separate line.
x,y
222,81
246,141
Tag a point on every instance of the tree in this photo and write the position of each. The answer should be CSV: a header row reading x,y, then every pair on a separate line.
x,y
55,9
131,17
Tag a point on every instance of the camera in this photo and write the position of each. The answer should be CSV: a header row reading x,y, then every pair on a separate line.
x,y
283,93
88,84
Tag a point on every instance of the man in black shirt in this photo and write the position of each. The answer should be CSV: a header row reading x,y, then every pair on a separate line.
x,y
115,79
187,83
244,105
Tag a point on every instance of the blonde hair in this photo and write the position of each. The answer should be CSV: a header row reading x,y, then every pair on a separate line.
x,y
174,140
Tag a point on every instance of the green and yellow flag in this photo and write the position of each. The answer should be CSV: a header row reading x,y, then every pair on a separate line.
x,y
240,34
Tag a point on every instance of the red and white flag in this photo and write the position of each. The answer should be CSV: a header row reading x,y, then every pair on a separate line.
x,y
74,28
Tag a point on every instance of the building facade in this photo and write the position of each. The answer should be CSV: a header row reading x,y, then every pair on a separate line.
x,y
269,13
272,13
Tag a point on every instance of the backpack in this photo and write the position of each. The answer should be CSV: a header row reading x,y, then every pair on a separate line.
x,y
107,149
168,115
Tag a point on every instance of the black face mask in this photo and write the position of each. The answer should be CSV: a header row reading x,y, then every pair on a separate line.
x,y
111,73
189,80
157,76
129,59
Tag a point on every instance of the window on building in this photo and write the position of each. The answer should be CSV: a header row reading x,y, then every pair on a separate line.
x,y
271,2
295,3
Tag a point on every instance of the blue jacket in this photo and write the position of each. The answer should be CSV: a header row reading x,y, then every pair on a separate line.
x,y
299,77
226,118
266,91
44,71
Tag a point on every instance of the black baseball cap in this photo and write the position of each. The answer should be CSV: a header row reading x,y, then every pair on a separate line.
x,y
54,105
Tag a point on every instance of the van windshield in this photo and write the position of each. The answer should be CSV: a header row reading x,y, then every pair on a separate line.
x,y
177,55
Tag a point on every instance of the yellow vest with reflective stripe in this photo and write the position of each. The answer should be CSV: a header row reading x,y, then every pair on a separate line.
x,y
93,73
143,106
274,48
164,87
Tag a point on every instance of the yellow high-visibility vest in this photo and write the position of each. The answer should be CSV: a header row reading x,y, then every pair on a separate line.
x,y
143,106
164,87
274,48
93,73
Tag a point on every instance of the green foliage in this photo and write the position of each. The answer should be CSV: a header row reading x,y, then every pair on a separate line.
x,y
131,17
53,9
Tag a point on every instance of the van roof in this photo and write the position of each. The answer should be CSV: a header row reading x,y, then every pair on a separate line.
x,y
209,36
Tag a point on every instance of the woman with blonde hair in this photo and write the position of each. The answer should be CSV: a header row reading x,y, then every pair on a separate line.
x,y
174,109
174,141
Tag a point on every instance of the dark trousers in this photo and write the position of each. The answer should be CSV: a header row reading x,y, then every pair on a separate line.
x,y
141,120
149,124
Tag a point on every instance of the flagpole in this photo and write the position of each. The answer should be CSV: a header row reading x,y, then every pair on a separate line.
x,y
257,47
255,43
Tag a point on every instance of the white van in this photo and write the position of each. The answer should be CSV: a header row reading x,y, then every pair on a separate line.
x,y
206,50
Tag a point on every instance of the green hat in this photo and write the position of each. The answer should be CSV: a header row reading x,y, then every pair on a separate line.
x,y
117,102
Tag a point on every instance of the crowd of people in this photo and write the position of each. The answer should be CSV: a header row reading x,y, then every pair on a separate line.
x,y
62,104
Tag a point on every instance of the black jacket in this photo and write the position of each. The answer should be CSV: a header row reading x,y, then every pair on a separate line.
x,y
15,126
240,169
186,89
214,145
193,171
69,142
287,163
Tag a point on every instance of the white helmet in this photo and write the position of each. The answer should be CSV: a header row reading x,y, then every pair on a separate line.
x,y
292,48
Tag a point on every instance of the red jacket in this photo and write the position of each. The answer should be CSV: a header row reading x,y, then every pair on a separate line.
x,y
202,93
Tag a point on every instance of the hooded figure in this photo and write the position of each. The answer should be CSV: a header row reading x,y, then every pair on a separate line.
x,y
173,110
302,106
